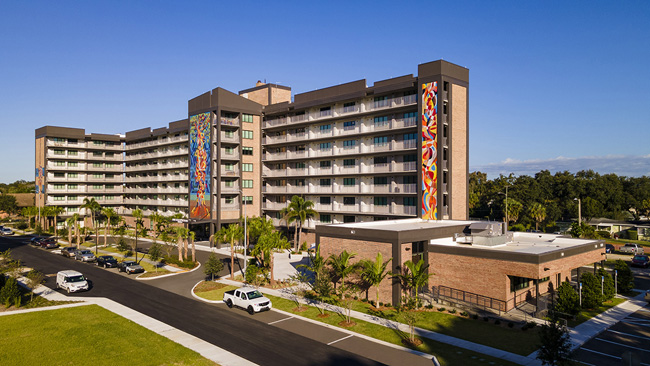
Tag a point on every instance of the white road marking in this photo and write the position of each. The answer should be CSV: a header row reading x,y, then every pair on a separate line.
x,y
621,344
600,353
281,320
628,334
338,340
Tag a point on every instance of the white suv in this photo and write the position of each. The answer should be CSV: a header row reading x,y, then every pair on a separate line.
x,y
71,281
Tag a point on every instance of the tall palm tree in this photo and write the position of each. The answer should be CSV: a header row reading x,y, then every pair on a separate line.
x,y
155,218
94,207
139,222
341,266
268,243
191,236
230,233
299,210
77,218
538,212
374,273
45,213
111,215
56,211
414,276
30,212
70,222
181,236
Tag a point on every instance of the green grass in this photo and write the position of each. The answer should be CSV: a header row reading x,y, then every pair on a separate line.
x,y
587,314
86,335
446,354
623,241
212,290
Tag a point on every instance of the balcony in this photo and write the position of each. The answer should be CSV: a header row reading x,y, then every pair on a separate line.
x,y
296,171
268,205
296,189
229,121
274,189
404,210
323,207
230,172
321,189
229,154
296,136
405,166
405,144
296,154
232,137
274,139
348,170
348,189
159,178
233,188
275,122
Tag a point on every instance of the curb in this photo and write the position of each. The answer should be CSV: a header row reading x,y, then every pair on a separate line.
x,y
167,275
202,299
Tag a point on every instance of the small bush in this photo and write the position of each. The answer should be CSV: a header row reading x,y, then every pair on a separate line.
x,y
22,225
452,311
475,316
441,309
511,324
364,300
429,306
356,297
464,313
371,302
387,305
497,322
381,304
174,260
9,292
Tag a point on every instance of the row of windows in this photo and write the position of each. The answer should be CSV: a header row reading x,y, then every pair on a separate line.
x,y
378,121
97,154
75,186
247,200
247,134
75,198
244,150
247,117
378,201
76,175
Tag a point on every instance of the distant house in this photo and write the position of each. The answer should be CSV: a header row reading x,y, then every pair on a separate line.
x,y
622,229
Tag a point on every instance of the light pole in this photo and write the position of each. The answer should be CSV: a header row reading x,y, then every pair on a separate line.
x,y
506,207
615,282
602,285
579,210
243,203
580,289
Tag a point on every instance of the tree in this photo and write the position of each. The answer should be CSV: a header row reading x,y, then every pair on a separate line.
x,y
155,253
514,209
607,285
375,272
34,279
139,223
155,218
567,301
538,213
624,278
213,266
591,296
341,266
414,276
76,217
299,211
269,242
555,343
229,234
94,207
70,223
319,281
111,218
191,237
8,204
410,318
181,234
10,292
258,226
30,212
56,211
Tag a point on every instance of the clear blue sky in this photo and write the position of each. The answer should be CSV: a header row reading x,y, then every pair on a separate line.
x,y
554,85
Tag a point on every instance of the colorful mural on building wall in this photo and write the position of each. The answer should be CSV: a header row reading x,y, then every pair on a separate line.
x,y
200,166
429,151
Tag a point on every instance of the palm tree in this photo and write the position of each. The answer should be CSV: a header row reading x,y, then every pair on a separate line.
x,y
191,236
70,222
94,207
111,215
139,222
268,243
30,212
76,217
45,213
299,210
374,273
538,212
181,236
341,266
155,218
230,233
56,211
414,276
258,226
514,209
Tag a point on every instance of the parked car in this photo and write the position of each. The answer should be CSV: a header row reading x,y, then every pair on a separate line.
x,y
247,298
631,249
107,261
68,251
641,261
130,267
36,241
84,256
49,243
609,248
7,231
71,281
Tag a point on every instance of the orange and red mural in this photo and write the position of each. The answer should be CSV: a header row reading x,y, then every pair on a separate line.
x,y
200,166
429,151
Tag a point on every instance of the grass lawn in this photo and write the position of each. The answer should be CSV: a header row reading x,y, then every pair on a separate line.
x,y
587,314
446,354
86,335
212,290
623,241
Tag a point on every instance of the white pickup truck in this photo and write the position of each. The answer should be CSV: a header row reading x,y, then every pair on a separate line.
x,y
247,298
630,248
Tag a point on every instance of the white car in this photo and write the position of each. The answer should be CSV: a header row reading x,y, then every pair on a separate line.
x,y
71,281
247,298
7,231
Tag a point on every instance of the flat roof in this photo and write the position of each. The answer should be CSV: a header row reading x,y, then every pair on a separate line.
x,y
404,224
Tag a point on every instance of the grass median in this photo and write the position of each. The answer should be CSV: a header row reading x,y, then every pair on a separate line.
x,y
446,354
86,335
212,290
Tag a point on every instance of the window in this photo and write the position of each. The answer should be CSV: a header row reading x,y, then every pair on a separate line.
x,y
97,165
110,176
347,126
380,160
349,143
98,198
444,130
410,157
229,150
247,134
70,175
325,128
326,164
381,201
300,165
59,186
444,154
444,177
230,167
409,136
72,209
97,154
247,183
58,139
348,107
349,162
110,165
444,107
247,150
97,186
97,143
349,200
72,198
445,86
347,218
111,186
325,182
59,198
518,283
59,175
247,167
381,140
409,201
325,218
109,155
72,152
73,164
325,200
229,134
381,121
59,163
409,179
229,184
247,117
381,102
326,145
248,200
381,181
98,176
110,198
326,111
229,200
349,181
72,186
409,115
59,152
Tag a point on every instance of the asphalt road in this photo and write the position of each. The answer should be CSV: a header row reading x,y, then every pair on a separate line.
x,y
234,331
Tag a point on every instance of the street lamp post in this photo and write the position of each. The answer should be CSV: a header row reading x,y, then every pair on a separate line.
x,y
615,282
580,289
602,285
579,210
243,203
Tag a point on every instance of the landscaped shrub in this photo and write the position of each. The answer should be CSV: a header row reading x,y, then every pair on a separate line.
x,y
567,301
452,311
517,227
531,324
632,235
464,313
485,318
174,260
22,225
429,306
9,292
608,284
381,304
603,234
591,296
441,309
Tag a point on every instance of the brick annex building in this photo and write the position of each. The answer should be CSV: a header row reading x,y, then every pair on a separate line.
x,y
395,149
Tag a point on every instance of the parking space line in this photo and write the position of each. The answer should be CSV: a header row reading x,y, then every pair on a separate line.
x,y
641,323
645,310
582,362
338,340
627,334
600,353
281,320
621,344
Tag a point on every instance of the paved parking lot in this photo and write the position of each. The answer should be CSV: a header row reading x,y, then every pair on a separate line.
x,y
625,343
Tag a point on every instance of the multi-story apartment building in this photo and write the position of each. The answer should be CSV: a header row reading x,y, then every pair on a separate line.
x,y
72,165
398,148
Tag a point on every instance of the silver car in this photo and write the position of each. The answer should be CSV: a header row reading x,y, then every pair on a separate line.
x,y
84,256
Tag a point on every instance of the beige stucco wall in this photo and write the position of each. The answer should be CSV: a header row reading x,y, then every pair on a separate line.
x,y
458,153
256,159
